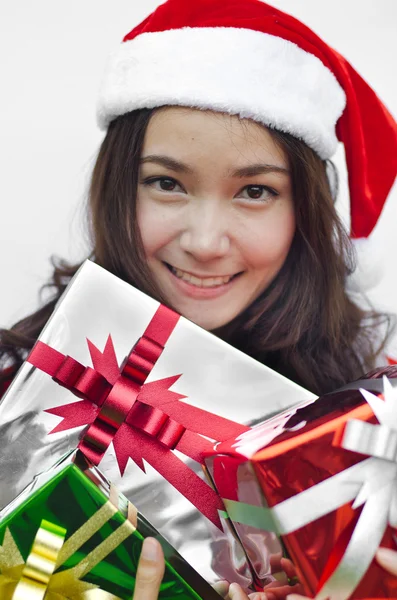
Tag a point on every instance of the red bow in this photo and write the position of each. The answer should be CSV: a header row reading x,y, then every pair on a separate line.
x,y
143,420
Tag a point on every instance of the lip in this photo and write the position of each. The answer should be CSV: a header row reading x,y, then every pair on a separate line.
x,y
204,275
194,291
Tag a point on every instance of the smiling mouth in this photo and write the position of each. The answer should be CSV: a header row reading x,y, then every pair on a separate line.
x,y
204,282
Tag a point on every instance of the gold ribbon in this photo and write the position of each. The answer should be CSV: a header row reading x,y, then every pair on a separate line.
x,y
36,579
40,563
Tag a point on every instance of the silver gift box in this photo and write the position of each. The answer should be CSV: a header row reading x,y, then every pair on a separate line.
x,y
214,376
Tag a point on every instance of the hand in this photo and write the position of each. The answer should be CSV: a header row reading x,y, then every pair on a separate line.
x,y
150,573
234,592
277,590
385,557
287,583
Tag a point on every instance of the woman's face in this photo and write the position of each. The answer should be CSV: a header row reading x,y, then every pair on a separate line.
x,y
215,211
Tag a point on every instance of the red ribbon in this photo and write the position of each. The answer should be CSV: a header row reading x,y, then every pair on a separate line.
x,y
143,420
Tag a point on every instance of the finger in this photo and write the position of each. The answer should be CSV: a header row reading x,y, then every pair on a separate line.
x,y
387,559
282,592
288,567
222,588
275,562
150,571
297,597
236,592
280,578
261,596
276,583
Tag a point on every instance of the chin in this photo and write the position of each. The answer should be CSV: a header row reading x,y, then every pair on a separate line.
x,y
208,322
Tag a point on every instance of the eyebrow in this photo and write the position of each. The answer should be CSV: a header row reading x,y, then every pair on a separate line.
x,y
168,162
258,169
178,166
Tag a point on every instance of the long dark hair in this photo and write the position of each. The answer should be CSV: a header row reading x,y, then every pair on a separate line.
x,y
304,325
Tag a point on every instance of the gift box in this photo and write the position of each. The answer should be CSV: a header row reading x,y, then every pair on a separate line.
x,y
71,532
131,376
323,478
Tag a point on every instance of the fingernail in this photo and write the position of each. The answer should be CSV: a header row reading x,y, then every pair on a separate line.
x,y
221,587
151,549
387,558
281,577
235,591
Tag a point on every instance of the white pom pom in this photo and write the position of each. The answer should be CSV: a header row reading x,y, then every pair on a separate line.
x,y
369,270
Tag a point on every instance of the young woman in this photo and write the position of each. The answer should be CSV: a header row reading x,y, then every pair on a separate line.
x,y
214,193
243,106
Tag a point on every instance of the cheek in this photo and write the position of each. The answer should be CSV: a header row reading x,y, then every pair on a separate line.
x,y
156,227
268,245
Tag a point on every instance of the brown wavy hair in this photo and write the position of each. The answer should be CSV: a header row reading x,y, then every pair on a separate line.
x,y
303,325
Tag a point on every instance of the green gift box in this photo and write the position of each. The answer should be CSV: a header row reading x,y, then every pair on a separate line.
x,y
98,537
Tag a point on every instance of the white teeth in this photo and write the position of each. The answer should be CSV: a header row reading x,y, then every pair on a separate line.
x,y
207,282
210,282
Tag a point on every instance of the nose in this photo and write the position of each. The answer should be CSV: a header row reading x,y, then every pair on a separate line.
x,y
205,235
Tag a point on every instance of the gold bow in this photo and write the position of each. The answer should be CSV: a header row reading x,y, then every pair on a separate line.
x,y
36,578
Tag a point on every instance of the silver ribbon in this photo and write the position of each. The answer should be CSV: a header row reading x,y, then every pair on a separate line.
x,y
371,483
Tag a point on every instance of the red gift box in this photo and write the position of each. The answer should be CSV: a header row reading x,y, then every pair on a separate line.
x,y
323,477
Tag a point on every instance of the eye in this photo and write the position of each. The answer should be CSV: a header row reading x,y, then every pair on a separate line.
x,y
163,184
258,193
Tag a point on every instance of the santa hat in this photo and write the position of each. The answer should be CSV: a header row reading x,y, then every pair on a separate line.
x,y
244,57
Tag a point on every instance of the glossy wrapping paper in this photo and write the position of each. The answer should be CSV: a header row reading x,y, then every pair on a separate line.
x,y
96,547
323,478
95,325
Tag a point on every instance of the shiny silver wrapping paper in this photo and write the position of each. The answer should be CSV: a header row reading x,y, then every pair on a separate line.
x,y
215,377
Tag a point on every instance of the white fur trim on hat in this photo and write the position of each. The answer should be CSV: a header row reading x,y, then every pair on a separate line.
x,y
237,71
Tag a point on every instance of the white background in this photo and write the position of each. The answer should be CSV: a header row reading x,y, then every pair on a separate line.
x,y
52,56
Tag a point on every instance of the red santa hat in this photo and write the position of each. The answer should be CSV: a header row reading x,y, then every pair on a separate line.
x,y
244,57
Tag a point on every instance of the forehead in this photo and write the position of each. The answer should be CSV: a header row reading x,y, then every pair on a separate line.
x,y
197,134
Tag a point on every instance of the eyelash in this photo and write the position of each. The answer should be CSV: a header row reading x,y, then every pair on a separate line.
x,y
152,180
